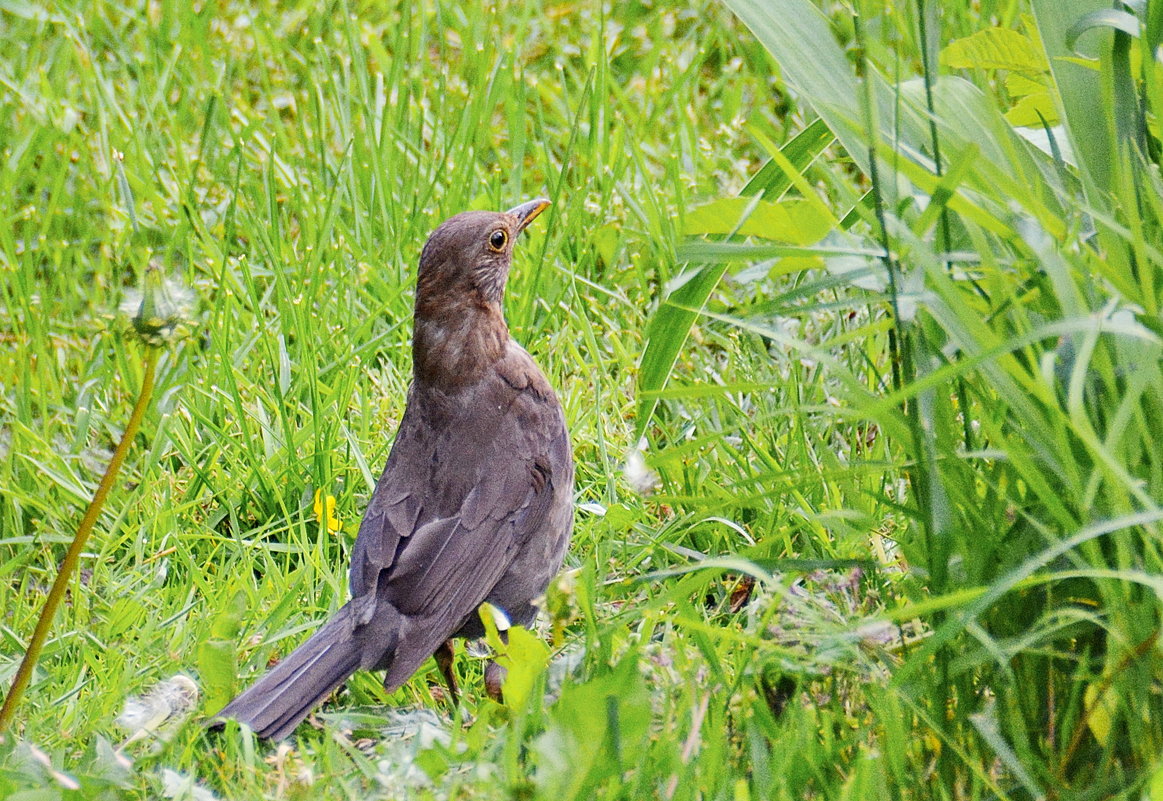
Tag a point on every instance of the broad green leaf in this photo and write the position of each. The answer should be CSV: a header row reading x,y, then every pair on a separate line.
x,y
523,655
813,65
1019,85
995,49
795,174
596,730
796,222
1033,111
525,659
670,326
966,119
702,251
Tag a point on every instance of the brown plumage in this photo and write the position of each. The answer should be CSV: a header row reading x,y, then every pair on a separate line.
x,y
475,503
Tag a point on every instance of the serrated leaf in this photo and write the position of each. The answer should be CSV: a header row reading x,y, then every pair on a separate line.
x,y
1020,85
995,49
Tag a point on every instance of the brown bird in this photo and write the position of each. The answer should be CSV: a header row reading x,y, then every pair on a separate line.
x,y
474,505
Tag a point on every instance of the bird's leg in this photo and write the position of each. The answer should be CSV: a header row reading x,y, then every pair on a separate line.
x,y
495,674
443,656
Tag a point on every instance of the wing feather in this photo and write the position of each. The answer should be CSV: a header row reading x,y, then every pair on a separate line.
x,y
449,517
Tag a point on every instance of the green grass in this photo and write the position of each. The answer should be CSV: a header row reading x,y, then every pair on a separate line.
x,y
905,541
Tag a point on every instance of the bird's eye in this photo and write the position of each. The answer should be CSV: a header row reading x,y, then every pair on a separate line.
x,y
498,239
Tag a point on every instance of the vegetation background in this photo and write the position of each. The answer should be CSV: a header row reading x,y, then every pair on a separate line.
x,y
854,309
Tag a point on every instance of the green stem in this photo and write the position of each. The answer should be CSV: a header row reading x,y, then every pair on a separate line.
x,y
69,565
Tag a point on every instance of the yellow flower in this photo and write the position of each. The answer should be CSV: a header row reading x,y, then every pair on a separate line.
x,y
326,516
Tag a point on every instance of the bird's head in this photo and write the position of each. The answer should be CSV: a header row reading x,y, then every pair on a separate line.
x,y
459,325
466,259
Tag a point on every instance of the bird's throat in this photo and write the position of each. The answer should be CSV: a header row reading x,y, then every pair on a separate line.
x,y
457,346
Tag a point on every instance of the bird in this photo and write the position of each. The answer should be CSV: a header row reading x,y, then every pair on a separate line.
x,y
475,503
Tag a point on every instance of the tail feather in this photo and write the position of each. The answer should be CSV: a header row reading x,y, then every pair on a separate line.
x,y
274,705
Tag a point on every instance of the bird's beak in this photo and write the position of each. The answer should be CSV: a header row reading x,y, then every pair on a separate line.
x,y
527,212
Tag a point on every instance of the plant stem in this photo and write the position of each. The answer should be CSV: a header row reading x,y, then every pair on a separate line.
x,y
69,565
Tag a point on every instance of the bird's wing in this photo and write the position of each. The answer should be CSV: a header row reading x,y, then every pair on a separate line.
x,y
466,486
394,510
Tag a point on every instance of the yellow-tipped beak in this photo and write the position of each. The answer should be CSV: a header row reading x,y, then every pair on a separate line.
x,y
527,212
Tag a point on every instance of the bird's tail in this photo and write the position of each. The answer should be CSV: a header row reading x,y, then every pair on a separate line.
x,y
274,705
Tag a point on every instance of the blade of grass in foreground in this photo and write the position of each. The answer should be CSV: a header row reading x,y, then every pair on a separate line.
x,y
671,324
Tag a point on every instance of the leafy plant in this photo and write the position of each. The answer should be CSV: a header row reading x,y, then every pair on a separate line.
x,y
1021,290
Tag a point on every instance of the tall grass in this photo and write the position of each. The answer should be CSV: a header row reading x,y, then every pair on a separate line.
x,y
901,410
1016,386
